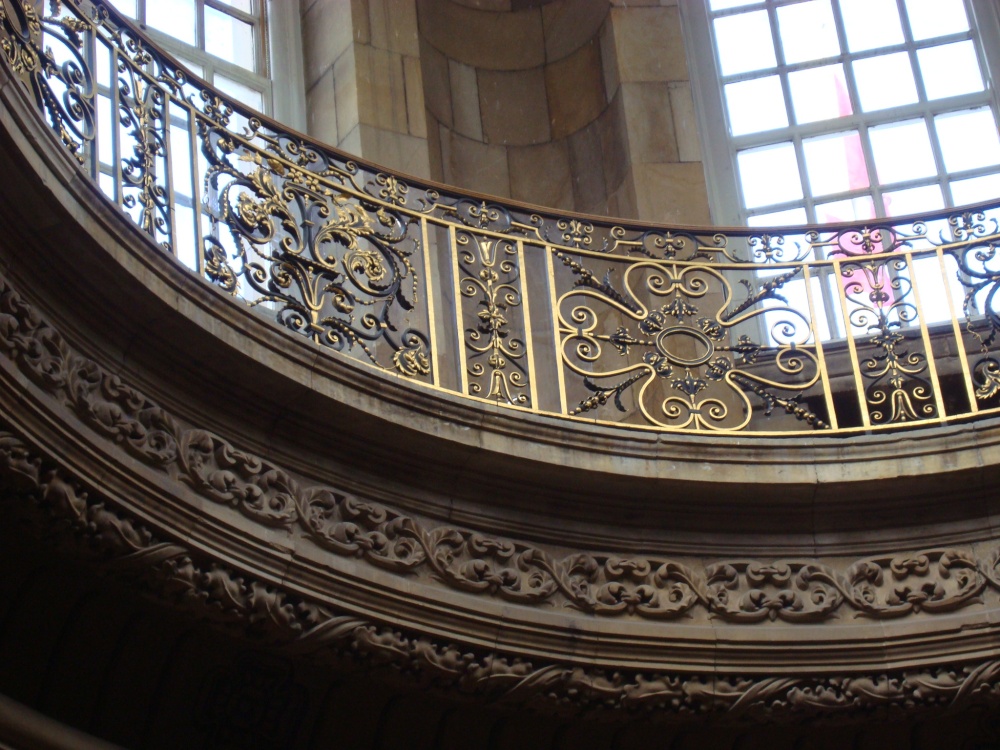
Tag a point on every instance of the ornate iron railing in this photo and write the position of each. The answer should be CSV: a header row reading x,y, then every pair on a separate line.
x,y
767,331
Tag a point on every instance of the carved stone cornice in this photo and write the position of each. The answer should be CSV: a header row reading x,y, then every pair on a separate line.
x,y
736,591
294,624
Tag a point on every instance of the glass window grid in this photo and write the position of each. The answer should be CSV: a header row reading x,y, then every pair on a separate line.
x,y
209,65
859,121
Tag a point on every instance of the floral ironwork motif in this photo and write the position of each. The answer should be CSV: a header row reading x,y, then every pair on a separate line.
x,y
674,326
48,53
979,274
878,290
494,355
337,270
142,112
834,330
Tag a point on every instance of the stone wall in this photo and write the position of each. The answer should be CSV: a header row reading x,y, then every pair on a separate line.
x,y
572,104
364,91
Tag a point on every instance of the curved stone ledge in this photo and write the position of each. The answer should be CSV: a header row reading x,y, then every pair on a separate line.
x,y
306,539
296,625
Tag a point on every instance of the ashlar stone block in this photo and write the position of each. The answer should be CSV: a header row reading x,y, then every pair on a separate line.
x,y
321,106
672,193
541,174
483,39
514,107
650,122
575,89
465,100
471,164
569,24
649,44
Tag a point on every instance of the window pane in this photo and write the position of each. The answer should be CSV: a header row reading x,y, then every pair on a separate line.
x,y
769,175
174,17
885,81
902,151
820,93
852,209
229,38
240,92
779,218
913,201
731,35
245,5
950,70
968,139
756,105
106,123
194,67
976,189
930,18
107,184
835,163
125,6
871,23
102,64
807,31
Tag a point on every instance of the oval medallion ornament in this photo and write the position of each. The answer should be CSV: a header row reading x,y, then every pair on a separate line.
x,y
685,347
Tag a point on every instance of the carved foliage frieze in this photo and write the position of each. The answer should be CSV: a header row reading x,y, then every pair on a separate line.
x,y
931,581
293,624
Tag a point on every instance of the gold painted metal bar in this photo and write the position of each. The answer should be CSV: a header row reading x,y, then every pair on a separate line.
x,y
116,130
956,327
925,336
168,168
196,185
94,147
429,293
459,322
851,344
530,353
823,371
556,339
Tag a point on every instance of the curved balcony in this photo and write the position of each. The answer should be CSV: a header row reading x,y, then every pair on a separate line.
x,y
518,454
844,329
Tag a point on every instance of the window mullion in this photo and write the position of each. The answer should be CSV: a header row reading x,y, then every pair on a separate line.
x,y
786,93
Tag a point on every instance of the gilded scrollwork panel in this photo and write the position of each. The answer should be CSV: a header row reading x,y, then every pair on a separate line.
x,y
657,328
346,273
672,339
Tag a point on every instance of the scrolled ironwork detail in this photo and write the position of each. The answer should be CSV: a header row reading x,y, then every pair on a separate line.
x,y
47,52
336,270
495,356
855,328
692,368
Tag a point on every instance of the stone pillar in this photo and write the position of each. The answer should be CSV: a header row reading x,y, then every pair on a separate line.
x,y
516,100
646,74
364,88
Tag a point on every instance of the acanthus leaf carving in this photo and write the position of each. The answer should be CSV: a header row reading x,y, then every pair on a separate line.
x,y
928,581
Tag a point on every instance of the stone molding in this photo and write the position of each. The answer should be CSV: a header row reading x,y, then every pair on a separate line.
x,y
296,625
736,590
